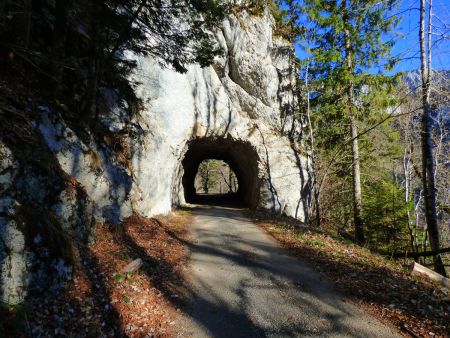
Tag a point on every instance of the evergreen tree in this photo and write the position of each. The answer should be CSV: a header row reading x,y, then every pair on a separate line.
x,y
347,42
79,45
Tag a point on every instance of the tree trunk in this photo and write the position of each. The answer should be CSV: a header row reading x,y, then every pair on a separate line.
x,y
313,179
407,173
26,23
93,70
356,171
206,187
357,195
427,147
2,9
206,183
59,41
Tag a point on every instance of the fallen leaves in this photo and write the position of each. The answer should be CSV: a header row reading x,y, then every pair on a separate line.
x,y
415,306
103,301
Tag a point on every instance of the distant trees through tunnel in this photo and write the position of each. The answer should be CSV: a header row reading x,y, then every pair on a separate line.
x,y
215,177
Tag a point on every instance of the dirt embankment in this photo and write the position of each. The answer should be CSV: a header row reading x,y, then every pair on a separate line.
x,y
101,300
385,288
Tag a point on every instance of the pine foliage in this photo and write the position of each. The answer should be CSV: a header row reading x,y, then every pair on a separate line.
x,y
78,46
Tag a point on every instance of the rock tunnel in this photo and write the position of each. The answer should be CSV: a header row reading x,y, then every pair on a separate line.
x,y
239,155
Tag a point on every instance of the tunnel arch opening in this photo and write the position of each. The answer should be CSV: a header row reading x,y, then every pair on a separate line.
x,y
240,156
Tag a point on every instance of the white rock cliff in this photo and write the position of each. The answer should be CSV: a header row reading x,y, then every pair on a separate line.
x,y
242,97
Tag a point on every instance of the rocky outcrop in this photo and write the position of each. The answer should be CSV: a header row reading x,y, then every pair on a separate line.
x,y
64,179
245,97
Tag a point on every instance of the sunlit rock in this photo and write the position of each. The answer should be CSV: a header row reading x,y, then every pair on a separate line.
x,y
245,97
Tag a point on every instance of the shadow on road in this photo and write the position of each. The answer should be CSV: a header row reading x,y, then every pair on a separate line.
x,y
231,200
242,284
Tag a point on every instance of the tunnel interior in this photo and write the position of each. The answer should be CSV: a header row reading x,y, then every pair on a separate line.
x,y
242,159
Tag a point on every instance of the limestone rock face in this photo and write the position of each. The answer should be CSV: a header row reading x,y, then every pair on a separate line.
x,y
32,228
63,178
105,181
242,98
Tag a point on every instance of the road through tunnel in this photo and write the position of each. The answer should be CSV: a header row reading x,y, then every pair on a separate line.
x,y
242,159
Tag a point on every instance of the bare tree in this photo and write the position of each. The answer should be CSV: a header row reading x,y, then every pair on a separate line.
x,y
427,146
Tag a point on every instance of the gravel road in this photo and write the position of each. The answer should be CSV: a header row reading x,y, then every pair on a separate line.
x,y
243,284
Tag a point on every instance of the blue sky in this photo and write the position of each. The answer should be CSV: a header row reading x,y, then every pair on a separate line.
x,y
407,43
